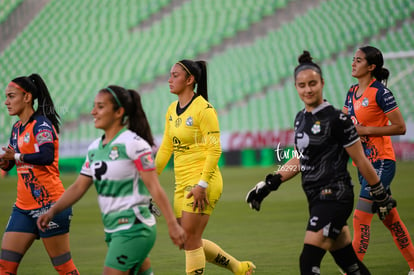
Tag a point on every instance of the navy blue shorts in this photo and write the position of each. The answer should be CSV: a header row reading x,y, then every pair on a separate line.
x,y
385,169
25,221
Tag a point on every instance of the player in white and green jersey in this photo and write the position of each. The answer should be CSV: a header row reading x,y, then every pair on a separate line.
x,y
121,166
122,196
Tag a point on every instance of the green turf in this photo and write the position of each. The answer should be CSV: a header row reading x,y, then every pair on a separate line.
x,y
271,238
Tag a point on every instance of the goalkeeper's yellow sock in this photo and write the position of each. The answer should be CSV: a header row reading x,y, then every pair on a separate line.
x,y
216,255
401,236
195,261
362,230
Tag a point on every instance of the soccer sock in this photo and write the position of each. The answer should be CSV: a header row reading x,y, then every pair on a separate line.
x,y
216,255
348,261
401,236
362,229
64,265
9,262
310,260
195,261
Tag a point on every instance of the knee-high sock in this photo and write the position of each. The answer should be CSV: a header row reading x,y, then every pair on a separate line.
x,y
195,261
362,230
216,255
310,260
400,235
9,262
348,261
64,265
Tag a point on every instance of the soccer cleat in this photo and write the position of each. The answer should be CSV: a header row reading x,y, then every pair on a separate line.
x,y
411,272
247,268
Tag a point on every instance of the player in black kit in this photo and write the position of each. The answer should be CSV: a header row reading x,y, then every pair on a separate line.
x,y
324,140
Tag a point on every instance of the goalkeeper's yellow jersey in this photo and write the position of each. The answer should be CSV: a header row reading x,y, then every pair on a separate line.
x,y
194,138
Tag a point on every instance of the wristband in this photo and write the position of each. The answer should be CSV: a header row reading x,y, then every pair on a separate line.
x,y
203,184
17,156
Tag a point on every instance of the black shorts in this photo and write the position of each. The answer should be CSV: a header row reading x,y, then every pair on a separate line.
x,y
332,216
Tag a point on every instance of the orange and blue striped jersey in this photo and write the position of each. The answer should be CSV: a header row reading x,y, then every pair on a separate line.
x,y
38,181
371,109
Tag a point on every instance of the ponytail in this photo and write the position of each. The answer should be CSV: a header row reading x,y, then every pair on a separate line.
x,y
35,85
134,115
374,56
199,70
138,121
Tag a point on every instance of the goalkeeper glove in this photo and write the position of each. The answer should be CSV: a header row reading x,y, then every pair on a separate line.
x,y
256,195
383,203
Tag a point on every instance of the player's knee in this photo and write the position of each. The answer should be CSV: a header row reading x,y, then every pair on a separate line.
x,y
9,262
310,260
64,265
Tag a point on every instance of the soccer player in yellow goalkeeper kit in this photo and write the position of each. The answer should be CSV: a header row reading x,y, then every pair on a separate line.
x,y
192,134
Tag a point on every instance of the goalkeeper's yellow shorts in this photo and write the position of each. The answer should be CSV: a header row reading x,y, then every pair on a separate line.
x,y
214,190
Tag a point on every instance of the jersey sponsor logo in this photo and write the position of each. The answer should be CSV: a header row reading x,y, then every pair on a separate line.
x,y
189,121
302,141
316,128
177,145
178,122
114,154
100,169
44,137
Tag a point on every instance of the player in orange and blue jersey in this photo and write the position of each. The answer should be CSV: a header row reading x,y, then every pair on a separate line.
x,y
34,150
377,117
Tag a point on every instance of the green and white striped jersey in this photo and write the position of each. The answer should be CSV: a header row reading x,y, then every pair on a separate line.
x,y
123,197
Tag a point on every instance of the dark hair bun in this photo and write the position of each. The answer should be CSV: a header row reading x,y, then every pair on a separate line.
x,y
305,57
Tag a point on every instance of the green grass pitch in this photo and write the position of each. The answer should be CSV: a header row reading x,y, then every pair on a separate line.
x,y
271,238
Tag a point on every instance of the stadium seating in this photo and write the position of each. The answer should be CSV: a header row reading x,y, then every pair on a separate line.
x,y
6,7
92,44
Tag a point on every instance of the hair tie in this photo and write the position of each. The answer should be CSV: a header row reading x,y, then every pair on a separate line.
x,y
114,95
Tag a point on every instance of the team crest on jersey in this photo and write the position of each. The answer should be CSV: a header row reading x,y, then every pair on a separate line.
x,y
365,102
178,122
189,121
170,119
26,138
114,153
316,128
